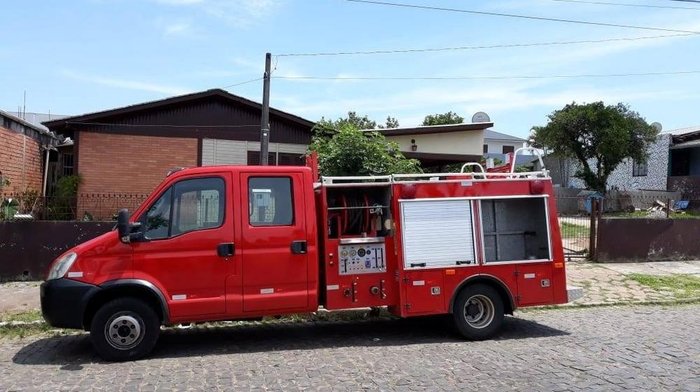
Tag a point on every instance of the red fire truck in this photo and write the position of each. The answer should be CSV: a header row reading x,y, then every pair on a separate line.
x,y
241,242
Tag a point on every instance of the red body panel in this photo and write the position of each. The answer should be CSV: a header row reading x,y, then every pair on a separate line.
x,y
265,276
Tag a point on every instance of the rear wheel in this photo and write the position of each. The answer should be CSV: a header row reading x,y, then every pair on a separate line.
x,y
478,312
124,329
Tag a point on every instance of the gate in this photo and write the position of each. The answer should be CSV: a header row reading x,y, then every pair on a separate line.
x,y
578,223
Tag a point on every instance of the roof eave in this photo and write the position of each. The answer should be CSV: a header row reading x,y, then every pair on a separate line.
x,y
62,123
430,129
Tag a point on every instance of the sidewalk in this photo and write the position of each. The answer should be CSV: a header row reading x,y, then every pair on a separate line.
x,y
601,283
609,283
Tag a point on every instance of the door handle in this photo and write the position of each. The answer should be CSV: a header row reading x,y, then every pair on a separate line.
x,y
299,247
226,249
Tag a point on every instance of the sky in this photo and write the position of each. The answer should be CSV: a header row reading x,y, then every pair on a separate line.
x,y
80,56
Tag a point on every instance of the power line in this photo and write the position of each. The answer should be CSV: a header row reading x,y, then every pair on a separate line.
x,y
371,78
241,83
475,47
628,5
688,1
540,18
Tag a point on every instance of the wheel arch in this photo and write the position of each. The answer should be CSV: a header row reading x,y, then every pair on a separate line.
x,y
135,288
490,280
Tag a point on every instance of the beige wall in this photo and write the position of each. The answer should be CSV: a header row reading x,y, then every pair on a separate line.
x,y
465,142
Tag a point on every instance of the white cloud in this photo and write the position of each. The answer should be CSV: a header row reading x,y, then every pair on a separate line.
x,y
411,105
178,28
125,84
239,13
179,2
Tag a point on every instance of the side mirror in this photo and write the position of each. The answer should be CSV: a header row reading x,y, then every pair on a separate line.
x,y
124,228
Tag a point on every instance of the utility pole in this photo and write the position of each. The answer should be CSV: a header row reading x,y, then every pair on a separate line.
x,y
265,123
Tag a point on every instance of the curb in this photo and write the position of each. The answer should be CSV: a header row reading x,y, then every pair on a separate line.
x,y
688,301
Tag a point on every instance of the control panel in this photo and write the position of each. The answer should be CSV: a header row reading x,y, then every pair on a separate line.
x,y
362,258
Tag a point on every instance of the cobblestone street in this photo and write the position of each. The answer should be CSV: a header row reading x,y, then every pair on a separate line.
x,y
609,348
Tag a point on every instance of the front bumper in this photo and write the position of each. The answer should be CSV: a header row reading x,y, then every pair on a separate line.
x,y
63,302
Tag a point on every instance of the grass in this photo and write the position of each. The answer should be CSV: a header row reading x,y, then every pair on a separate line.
x,y
572,230
19,325
29,323
681,285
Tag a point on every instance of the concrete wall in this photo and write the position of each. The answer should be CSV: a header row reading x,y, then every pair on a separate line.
x,y
20,162
464,143
630,239
27,248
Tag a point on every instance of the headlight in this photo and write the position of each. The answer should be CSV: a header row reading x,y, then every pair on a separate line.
x,y
62,265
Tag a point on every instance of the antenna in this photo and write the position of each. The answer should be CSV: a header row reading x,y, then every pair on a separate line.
x,y
480,117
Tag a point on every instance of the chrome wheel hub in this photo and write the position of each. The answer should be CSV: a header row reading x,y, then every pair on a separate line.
x,y
123,332
479,311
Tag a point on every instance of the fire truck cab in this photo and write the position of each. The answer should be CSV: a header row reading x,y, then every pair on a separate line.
x,y
240,242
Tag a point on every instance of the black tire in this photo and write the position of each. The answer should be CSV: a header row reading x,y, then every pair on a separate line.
x,y
133,330
478,312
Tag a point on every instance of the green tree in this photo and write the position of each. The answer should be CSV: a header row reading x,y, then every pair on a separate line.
x,y
328,128
443,119
391,122
351,152
599,137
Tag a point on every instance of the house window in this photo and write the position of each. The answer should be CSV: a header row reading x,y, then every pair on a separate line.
x,y
508,149
639,169
486,148
254,158
67,163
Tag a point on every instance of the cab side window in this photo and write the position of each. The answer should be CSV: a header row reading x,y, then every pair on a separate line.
x,y
157,220
270,201
186,206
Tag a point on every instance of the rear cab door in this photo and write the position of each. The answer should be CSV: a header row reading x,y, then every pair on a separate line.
x,y
278,240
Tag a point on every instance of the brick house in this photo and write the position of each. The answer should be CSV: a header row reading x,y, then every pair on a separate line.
x,y
23,148
130,149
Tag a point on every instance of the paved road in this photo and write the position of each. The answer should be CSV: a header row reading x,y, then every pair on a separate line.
x,y
612,348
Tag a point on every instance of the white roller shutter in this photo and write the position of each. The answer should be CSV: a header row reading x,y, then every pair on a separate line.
x,y
437,233
224,152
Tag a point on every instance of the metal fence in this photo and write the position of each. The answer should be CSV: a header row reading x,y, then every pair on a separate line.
x,y
83,207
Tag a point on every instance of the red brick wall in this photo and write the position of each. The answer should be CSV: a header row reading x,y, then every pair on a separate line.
x,y
20,162
130,164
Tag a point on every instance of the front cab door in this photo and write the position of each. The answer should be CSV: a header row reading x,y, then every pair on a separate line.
x,y
186,229
274,243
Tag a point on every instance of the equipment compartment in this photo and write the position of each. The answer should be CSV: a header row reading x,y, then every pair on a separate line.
x,y
515,229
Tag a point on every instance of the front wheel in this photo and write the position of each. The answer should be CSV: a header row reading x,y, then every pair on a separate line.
x,y
478,312
124,329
